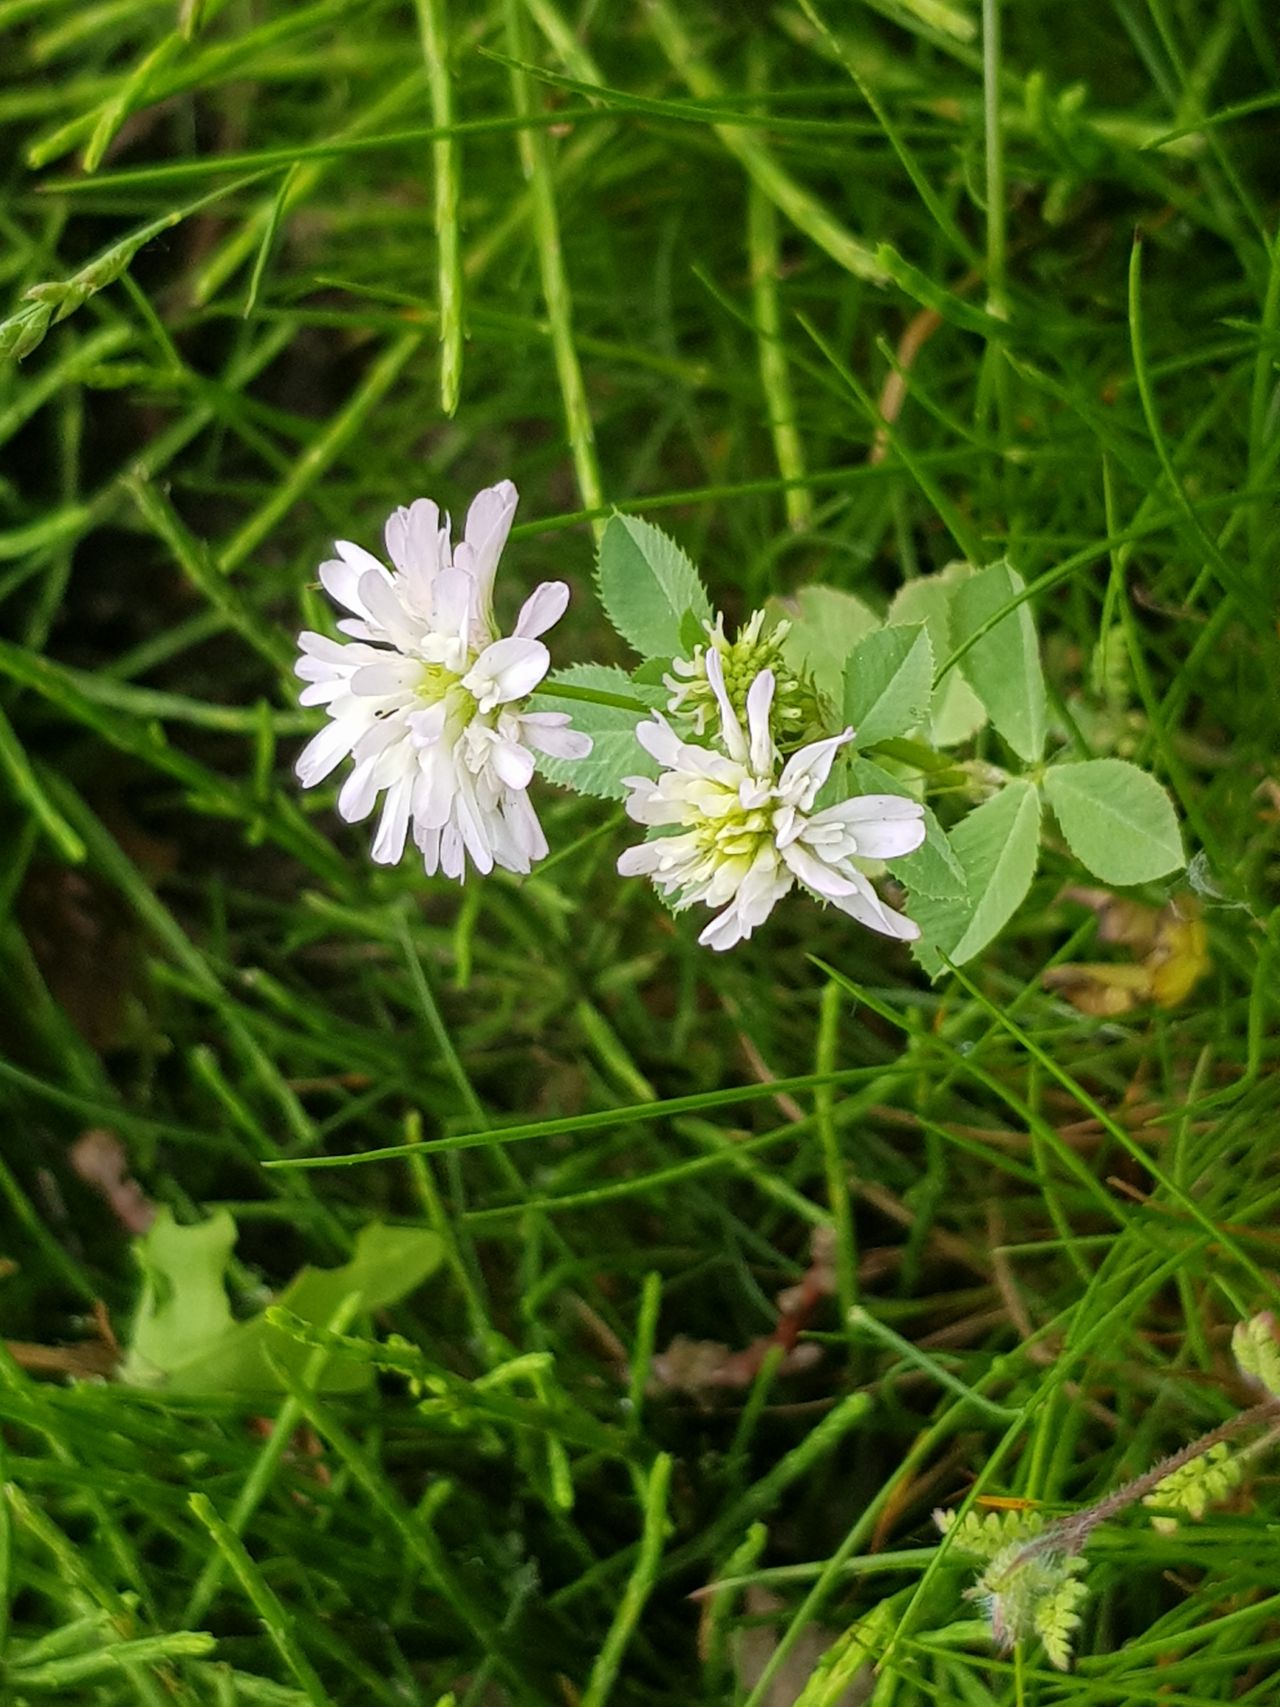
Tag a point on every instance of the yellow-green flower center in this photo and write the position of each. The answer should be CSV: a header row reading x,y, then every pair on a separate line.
x,y
438,682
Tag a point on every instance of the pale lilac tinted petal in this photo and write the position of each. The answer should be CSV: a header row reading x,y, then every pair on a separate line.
x,y
396,537
385,608
759,702
488,524
425,542
362,561
452,600
542,609
342,583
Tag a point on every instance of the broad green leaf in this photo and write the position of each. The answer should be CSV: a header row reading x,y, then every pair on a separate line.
x,y
933,868
648,587
1118,821
185,1340
956,713
888,683
1003,667
615,752
997,846
826,625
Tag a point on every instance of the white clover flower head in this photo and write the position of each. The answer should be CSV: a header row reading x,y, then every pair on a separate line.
x,y
745,832
428,700
742,660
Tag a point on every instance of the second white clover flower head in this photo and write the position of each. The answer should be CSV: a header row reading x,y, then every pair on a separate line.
x,y
428,700
741,661
746,832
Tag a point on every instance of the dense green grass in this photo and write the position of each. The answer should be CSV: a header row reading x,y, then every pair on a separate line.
x,y
665,292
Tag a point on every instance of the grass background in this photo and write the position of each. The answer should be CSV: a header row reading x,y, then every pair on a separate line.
x,y
284,242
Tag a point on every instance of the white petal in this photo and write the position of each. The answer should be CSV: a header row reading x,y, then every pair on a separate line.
x,y
805,772
549,732
322,647
522,821
385,607
542,609
660,741
507,670
863,807
393,675
452,859
488,524
868,909
359,793
888,839
653,807
428,725
393,826
730,729
429,845
816,874
383,733
724,931
321,692
437,787
324,752
759,701
640,861
513,763
472,831
763,887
